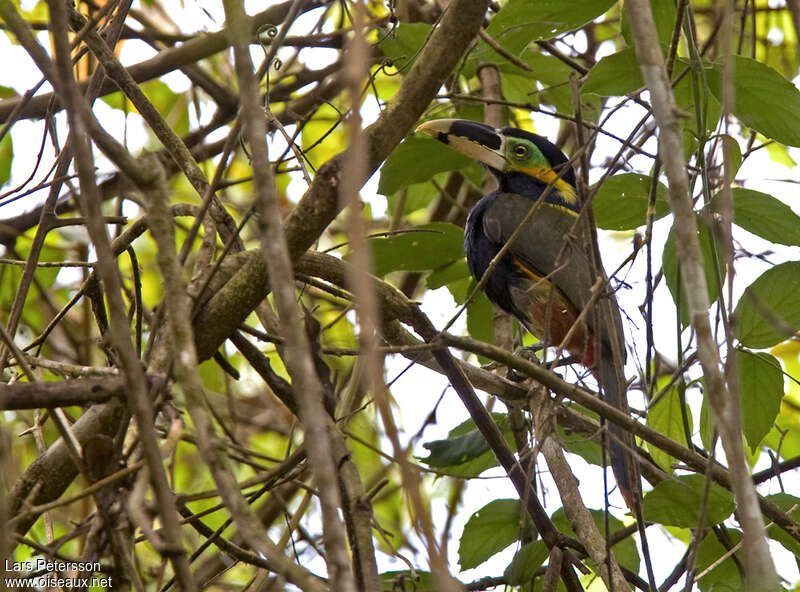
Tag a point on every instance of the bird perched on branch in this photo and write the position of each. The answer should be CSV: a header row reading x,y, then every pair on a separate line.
x,y
550,277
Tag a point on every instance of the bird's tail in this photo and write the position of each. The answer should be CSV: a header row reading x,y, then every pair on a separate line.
x,y
620,443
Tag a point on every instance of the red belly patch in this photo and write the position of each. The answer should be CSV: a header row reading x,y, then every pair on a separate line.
x,y
549,316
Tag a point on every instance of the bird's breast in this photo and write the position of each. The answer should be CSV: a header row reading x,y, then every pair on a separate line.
x,y
525,293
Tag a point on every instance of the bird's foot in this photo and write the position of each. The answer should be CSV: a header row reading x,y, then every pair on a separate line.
x,y
527,353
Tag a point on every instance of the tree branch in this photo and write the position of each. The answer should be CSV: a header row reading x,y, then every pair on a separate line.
x,y
759,568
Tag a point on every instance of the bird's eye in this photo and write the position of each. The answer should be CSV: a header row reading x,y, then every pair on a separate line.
x,y
520,151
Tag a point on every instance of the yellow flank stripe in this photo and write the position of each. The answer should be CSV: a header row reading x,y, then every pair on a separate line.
x,y
549,176
569,211
527,271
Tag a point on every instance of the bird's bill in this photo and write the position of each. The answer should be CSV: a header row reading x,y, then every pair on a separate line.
x,y
475,140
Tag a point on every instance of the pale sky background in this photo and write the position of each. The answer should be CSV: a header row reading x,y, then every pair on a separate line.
x,y
758,172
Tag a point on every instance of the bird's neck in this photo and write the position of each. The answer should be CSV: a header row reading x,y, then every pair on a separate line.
x,y
560,194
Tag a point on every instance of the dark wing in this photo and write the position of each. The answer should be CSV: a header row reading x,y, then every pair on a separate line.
x,y
555,243
549,241
552,244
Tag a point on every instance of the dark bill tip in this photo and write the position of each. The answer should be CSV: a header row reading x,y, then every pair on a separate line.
x,y
484,134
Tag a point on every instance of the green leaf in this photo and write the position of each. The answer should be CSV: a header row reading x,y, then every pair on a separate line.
x,y
465,452
625,550
550,72
117,100
525,563
784,437
6,157
455,276
677,502
455,271
664,16
11,277
419,581
576,443
725,577
774,296
403,44
428,247
386,84
418,196
490,530
480,317
6,92
466,110
558,96
521,21
669,263
765,100
764,216
320,139
666,418
173,107
475,173
519,88
788,353
706,430
730,144
460,289
415,160
622,200
455,451
760,394
778,153
614,75
785,502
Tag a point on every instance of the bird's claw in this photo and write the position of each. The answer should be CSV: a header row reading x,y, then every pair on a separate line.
x,y
526,353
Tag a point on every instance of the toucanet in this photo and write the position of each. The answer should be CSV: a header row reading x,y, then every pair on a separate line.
x,y
549,273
